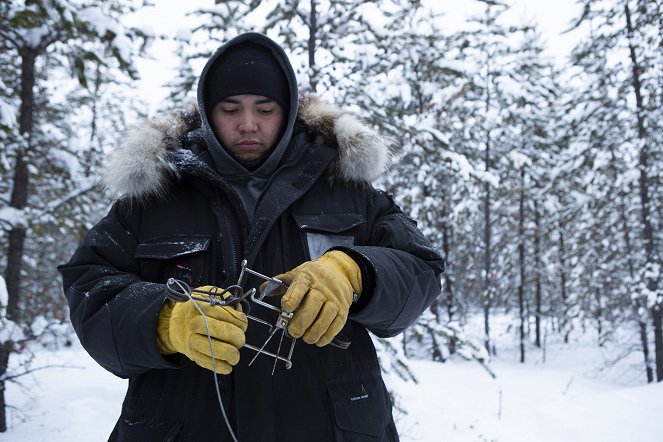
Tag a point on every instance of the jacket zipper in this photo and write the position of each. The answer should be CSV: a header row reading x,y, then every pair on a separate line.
x,y
226,225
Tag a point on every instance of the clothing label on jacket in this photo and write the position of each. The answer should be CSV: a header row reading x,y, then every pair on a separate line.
x,y
319,243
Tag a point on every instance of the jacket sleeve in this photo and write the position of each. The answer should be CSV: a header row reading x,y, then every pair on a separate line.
x,y
400,267
114,312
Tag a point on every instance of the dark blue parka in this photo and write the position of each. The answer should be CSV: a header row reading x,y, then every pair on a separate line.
x,y
179,218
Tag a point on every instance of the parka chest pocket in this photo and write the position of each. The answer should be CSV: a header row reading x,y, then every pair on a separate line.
x,y
180,257
361,409
322,232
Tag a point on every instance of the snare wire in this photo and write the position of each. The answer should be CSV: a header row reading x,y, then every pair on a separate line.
x,y
211,349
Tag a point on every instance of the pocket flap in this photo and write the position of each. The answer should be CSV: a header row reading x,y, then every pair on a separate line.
x,y
173,247
361,406
329,223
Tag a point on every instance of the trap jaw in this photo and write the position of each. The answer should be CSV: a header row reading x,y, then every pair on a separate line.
x,y
281,322
179,291
266,290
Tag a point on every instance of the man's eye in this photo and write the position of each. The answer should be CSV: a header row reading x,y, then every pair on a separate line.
x,y
266,111
228,110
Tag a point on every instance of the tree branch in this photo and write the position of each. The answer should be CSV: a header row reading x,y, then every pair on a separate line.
x,y
55,205
8,37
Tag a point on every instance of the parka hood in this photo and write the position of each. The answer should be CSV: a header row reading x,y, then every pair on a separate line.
x,y
224,160
152,155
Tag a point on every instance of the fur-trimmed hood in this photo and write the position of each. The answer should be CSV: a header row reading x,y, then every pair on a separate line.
x,y
149,157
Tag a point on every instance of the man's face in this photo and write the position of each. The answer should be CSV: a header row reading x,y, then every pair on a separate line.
x,y
248,125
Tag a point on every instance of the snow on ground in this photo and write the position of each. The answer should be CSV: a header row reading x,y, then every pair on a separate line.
x,y
75,401
567,398
459,402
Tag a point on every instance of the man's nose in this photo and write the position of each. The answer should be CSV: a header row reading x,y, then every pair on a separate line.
x,y
247,123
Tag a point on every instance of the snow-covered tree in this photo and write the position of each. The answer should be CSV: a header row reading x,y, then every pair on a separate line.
x,y
621,123
55,55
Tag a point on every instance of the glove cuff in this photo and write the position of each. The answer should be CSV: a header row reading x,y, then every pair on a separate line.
x,y
163,329
350,269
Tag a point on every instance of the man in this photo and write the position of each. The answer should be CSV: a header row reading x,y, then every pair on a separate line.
x,y
251,174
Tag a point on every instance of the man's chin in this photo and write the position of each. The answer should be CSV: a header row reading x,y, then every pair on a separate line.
x,y
250,164
253,162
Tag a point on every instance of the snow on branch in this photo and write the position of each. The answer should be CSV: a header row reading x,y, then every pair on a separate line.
x,y
4,298
11,217
10,332
84,187
519,160
7,115
466,170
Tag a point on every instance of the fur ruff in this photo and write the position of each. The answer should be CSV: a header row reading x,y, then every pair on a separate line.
x,y
143,165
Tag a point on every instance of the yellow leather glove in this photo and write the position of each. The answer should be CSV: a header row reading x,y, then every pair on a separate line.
x,y
320,293
181,329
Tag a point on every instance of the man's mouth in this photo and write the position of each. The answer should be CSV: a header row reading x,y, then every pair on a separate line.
x,y
248,143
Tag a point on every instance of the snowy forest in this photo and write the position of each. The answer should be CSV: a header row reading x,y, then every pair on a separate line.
x,y
540,181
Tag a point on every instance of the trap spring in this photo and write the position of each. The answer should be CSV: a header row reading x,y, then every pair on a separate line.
x,y
179,291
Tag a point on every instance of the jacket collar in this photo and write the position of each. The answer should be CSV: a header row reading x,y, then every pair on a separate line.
x,y
156,152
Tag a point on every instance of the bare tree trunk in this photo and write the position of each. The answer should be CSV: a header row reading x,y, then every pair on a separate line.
x,y
537,275
313,31
647,230
448,285
487,228
521,262
18,201
21,183
437,353
487,238
599,316
658,341
649,372
562,276
639,304
4,361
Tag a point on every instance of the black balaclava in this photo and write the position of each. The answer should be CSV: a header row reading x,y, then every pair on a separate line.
x,y
250,63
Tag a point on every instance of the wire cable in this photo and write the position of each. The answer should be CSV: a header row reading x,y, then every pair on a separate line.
x,y
211,349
